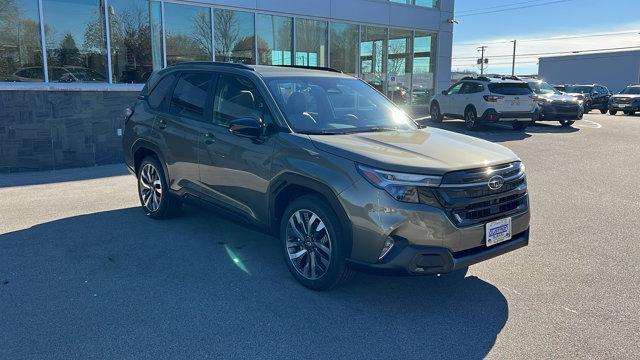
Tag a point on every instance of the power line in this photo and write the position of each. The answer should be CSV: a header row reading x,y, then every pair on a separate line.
x,y
556,38
499,6
552,53
515,8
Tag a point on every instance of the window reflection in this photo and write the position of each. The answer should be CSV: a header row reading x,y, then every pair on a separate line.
x,y
235,38
423,68
344,47
311,42
373,48
20,46
275,39
399,65
75,40
188,33
130,34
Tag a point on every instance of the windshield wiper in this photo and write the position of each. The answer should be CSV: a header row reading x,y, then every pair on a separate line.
x,y
322,132
374,129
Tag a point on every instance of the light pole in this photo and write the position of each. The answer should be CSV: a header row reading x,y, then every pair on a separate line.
x,y
481,48
513,63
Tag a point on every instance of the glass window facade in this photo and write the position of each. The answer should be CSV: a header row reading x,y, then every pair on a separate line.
x,y
20,44
344,47
235,36
147,35
275,39
187,33
130,35
423,68
76,40
311,42
373,52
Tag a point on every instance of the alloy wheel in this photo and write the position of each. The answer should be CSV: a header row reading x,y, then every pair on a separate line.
x,y
308,244
150,187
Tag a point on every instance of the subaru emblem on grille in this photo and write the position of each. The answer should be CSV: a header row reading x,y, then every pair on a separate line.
x,y
496,182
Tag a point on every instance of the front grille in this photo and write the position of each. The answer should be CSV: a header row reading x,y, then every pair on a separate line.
x,y
622,100
468,200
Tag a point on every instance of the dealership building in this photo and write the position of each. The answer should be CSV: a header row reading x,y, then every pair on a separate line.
x,y
68,68
615,70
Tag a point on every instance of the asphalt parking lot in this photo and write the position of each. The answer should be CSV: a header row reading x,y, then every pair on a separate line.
x,y
84,274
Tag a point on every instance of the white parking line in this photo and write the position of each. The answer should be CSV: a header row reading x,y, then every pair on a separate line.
x,y
589,124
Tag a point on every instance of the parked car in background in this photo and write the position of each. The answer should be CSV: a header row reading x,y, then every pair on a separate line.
x,y
627,101
483,99
554,105
593,96
355,185
561,88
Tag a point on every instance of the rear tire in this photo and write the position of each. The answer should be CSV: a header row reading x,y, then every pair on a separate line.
x,y
470,119
567,123
519,125
315,253
603,111
156,199
613,112
436,115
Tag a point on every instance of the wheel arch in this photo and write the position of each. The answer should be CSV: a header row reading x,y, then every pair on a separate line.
x,y
289,186
142,149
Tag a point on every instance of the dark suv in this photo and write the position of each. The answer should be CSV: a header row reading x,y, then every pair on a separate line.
x,y
593,96
328,164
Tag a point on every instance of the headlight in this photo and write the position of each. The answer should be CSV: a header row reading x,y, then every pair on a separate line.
x,y
403,187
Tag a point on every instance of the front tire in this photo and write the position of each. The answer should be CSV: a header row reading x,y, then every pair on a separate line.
x,y
313,244
153,191
567,123
519,125
436,115
613,112
603,111
587,107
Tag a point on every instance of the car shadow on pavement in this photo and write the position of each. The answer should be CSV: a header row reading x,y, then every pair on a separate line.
x,y
501,132
118,284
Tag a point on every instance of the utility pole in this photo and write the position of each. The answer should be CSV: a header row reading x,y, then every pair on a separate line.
x,y
513,64
482,62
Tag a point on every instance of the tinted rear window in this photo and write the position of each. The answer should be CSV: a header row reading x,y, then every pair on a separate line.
x,y
510,89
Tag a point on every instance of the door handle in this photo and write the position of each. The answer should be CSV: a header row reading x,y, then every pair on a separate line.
x,y
162,124
209,138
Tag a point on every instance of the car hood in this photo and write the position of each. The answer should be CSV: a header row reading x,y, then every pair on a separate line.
x,y
578,95
626,96
558,97
427,151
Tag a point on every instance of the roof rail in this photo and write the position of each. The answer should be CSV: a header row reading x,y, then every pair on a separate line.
x,y
322,68
216,63
478,78
506,77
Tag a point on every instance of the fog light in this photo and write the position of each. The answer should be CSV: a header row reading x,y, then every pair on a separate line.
x,y
388,245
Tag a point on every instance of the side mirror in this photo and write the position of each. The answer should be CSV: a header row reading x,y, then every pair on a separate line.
x,y
444,92
246,127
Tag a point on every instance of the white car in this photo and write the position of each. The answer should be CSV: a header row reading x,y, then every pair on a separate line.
x,y
485,100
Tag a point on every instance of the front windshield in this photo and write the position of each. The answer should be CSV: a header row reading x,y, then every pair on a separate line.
x,y
631,90
333,105
579,89
542,88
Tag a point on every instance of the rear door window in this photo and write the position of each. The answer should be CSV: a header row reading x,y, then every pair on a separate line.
x,y
510,89
190,95
161,92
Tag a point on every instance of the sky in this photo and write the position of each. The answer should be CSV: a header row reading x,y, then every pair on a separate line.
x,y
548,19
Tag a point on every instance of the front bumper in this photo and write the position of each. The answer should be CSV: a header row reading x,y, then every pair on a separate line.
x,y
418,230
624,107
561,112
406,259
